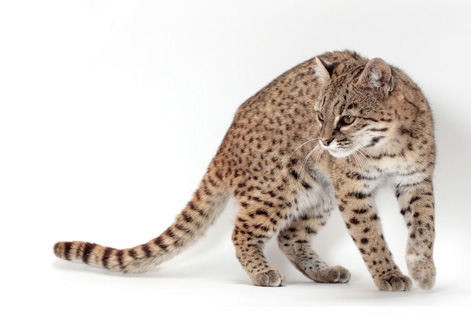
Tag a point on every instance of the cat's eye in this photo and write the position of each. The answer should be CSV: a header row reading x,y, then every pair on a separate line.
x,y
320,116
347,120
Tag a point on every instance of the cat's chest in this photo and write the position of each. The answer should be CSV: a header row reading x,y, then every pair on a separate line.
x,y
315,196
399,170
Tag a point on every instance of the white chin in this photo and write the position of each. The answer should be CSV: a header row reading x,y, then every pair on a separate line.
x,y
339,153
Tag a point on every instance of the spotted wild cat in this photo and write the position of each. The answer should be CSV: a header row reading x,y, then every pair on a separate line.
x,y
328,131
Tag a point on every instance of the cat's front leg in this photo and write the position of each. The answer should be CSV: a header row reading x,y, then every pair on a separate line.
x,y
359,212
417,206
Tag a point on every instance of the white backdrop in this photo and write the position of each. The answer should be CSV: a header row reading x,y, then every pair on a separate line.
x,y
110,112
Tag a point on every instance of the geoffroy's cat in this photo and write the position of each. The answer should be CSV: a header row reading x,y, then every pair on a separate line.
x,y
329,131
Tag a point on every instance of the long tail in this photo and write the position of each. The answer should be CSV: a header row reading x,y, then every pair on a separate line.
x,y
190,225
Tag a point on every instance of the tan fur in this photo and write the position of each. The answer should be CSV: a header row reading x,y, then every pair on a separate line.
x,y
328,131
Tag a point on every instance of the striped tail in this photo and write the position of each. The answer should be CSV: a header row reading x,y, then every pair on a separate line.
x,y
190,225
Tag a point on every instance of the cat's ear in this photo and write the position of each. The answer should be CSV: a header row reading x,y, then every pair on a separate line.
x,y
378,77
324,70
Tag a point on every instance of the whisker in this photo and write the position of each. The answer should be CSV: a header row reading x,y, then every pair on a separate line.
x,y
318,157
360,162
308,156
303,144
348,163
363,152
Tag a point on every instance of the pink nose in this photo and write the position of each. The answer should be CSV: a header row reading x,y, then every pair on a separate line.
x,y
326,142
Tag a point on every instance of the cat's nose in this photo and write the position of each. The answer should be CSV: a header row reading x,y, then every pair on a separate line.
x,y
326,142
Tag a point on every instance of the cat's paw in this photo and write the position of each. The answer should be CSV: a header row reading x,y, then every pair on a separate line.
x,y
394,281
422,271
335,274
269,278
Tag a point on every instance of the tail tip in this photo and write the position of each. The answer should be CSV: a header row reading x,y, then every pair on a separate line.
x,y
60,249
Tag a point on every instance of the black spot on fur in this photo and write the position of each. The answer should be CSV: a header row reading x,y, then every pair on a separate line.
x,y
354,221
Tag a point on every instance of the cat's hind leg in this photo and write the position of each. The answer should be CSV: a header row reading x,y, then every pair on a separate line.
x,y
417,206
295,242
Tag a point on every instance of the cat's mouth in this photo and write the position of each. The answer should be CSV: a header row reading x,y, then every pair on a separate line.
x,y
335,150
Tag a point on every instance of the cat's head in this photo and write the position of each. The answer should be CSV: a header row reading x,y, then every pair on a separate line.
x,y
350,108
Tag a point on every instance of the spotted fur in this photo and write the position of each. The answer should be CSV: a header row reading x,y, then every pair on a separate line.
x,y
328,131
